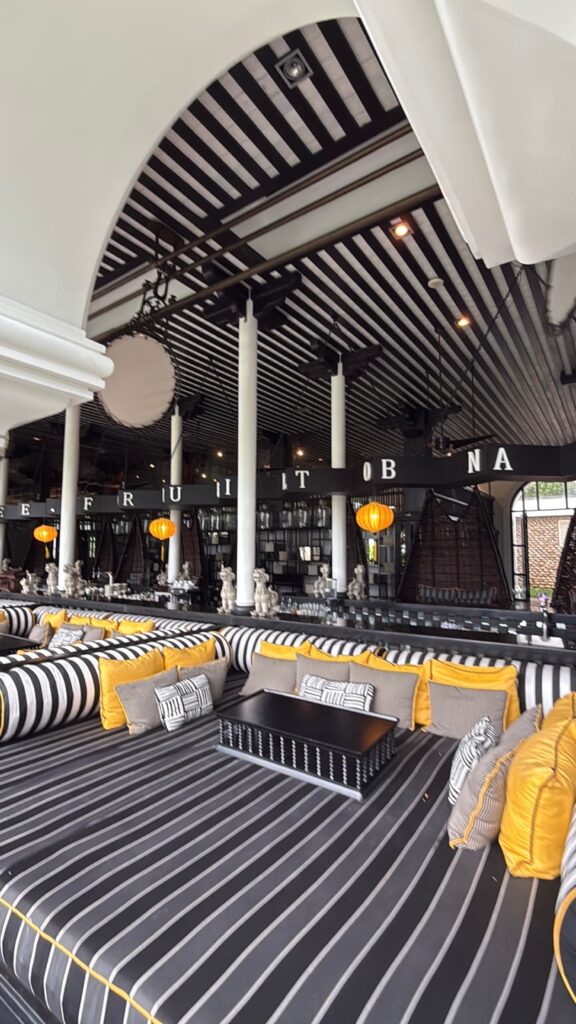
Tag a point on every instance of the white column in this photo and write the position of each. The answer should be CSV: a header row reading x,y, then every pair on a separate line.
x,y
4,470
70,464
338,392
175,542
247,423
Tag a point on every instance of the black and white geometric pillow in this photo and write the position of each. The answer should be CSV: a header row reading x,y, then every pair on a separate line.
x,y
183,701
353,696
65,636
471,748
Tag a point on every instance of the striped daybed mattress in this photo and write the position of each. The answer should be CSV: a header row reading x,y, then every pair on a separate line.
x,y
157,879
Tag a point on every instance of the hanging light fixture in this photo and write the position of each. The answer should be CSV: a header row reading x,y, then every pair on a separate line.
x,y
162,529
374,517
45,534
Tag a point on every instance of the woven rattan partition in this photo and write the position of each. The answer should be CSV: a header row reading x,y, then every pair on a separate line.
x,y
455,554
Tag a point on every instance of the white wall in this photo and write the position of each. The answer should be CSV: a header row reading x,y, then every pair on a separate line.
x,y
86,90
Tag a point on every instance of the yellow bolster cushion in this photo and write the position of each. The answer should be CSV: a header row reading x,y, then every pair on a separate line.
x,y
269,650
129,626
354,659
422,713
190,656
55,619
113,673
540,797
80,620
476,677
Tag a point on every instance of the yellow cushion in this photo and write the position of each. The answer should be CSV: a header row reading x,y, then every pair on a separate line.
x,y
269,650
564,709
80,620
110,626
190,656
476,677
356,659
129,626
112,673
540,797
422,713
55,619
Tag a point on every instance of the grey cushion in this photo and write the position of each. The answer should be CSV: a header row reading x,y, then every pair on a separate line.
x,y
353,696
455,710
471,748
184,701
139,701
475,818
215,671
41,633
66,635
394,692
270,674
336,671
93,633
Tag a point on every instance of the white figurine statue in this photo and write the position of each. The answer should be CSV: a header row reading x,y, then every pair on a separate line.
x,y
51,578
323,584
265,597
69,580
162,578
228,590
29,583
6,567
357,586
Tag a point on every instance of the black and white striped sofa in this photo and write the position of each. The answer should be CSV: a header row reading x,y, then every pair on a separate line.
x,y
41,696
162,623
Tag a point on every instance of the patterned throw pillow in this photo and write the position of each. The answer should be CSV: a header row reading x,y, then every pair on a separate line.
x,y
183,701
472,746
66,635
353,696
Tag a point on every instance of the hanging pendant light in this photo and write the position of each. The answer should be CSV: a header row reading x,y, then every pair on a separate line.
x,y
162,529
45,534
374,517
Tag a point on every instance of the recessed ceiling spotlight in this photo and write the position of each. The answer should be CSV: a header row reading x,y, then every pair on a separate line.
x,y
400,228
320,459
203,475
300,452
152,465
220,454
436,282
35,438
463,321
294,68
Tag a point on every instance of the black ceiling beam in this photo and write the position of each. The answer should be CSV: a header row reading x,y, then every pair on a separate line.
x,y
351,67
296,98
324,85
228,141
269,110
247,124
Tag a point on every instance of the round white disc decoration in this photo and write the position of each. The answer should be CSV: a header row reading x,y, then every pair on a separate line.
x,y
141,386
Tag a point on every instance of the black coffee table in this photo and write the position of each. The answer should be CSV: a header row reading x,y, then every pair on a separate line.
x,y
10,643
333,747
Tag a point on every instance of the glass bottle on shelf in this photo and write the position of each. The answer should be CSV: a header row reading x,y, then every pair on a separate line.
x,y
286,516
264,518
302,515
322,513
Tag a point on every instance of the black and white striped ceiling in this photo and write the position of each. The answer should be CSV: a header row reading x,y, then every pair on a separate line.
x,y
270,179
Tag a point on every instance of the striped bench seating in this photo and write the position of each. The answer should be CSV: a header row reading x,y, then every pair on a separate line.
x,y
245,640
537,683
161,622
159,880
47,694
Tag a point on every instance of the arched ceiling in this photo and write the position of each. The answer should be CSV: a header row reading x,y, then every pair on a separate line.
x,y
215,178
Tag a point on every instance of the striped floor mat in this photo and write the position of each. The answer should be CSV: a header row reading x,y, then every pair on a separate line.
x,y
156,879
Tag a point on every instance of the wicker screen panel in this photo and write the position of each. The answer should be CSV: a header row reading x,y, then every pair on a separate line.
x,y
455,560
564,596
